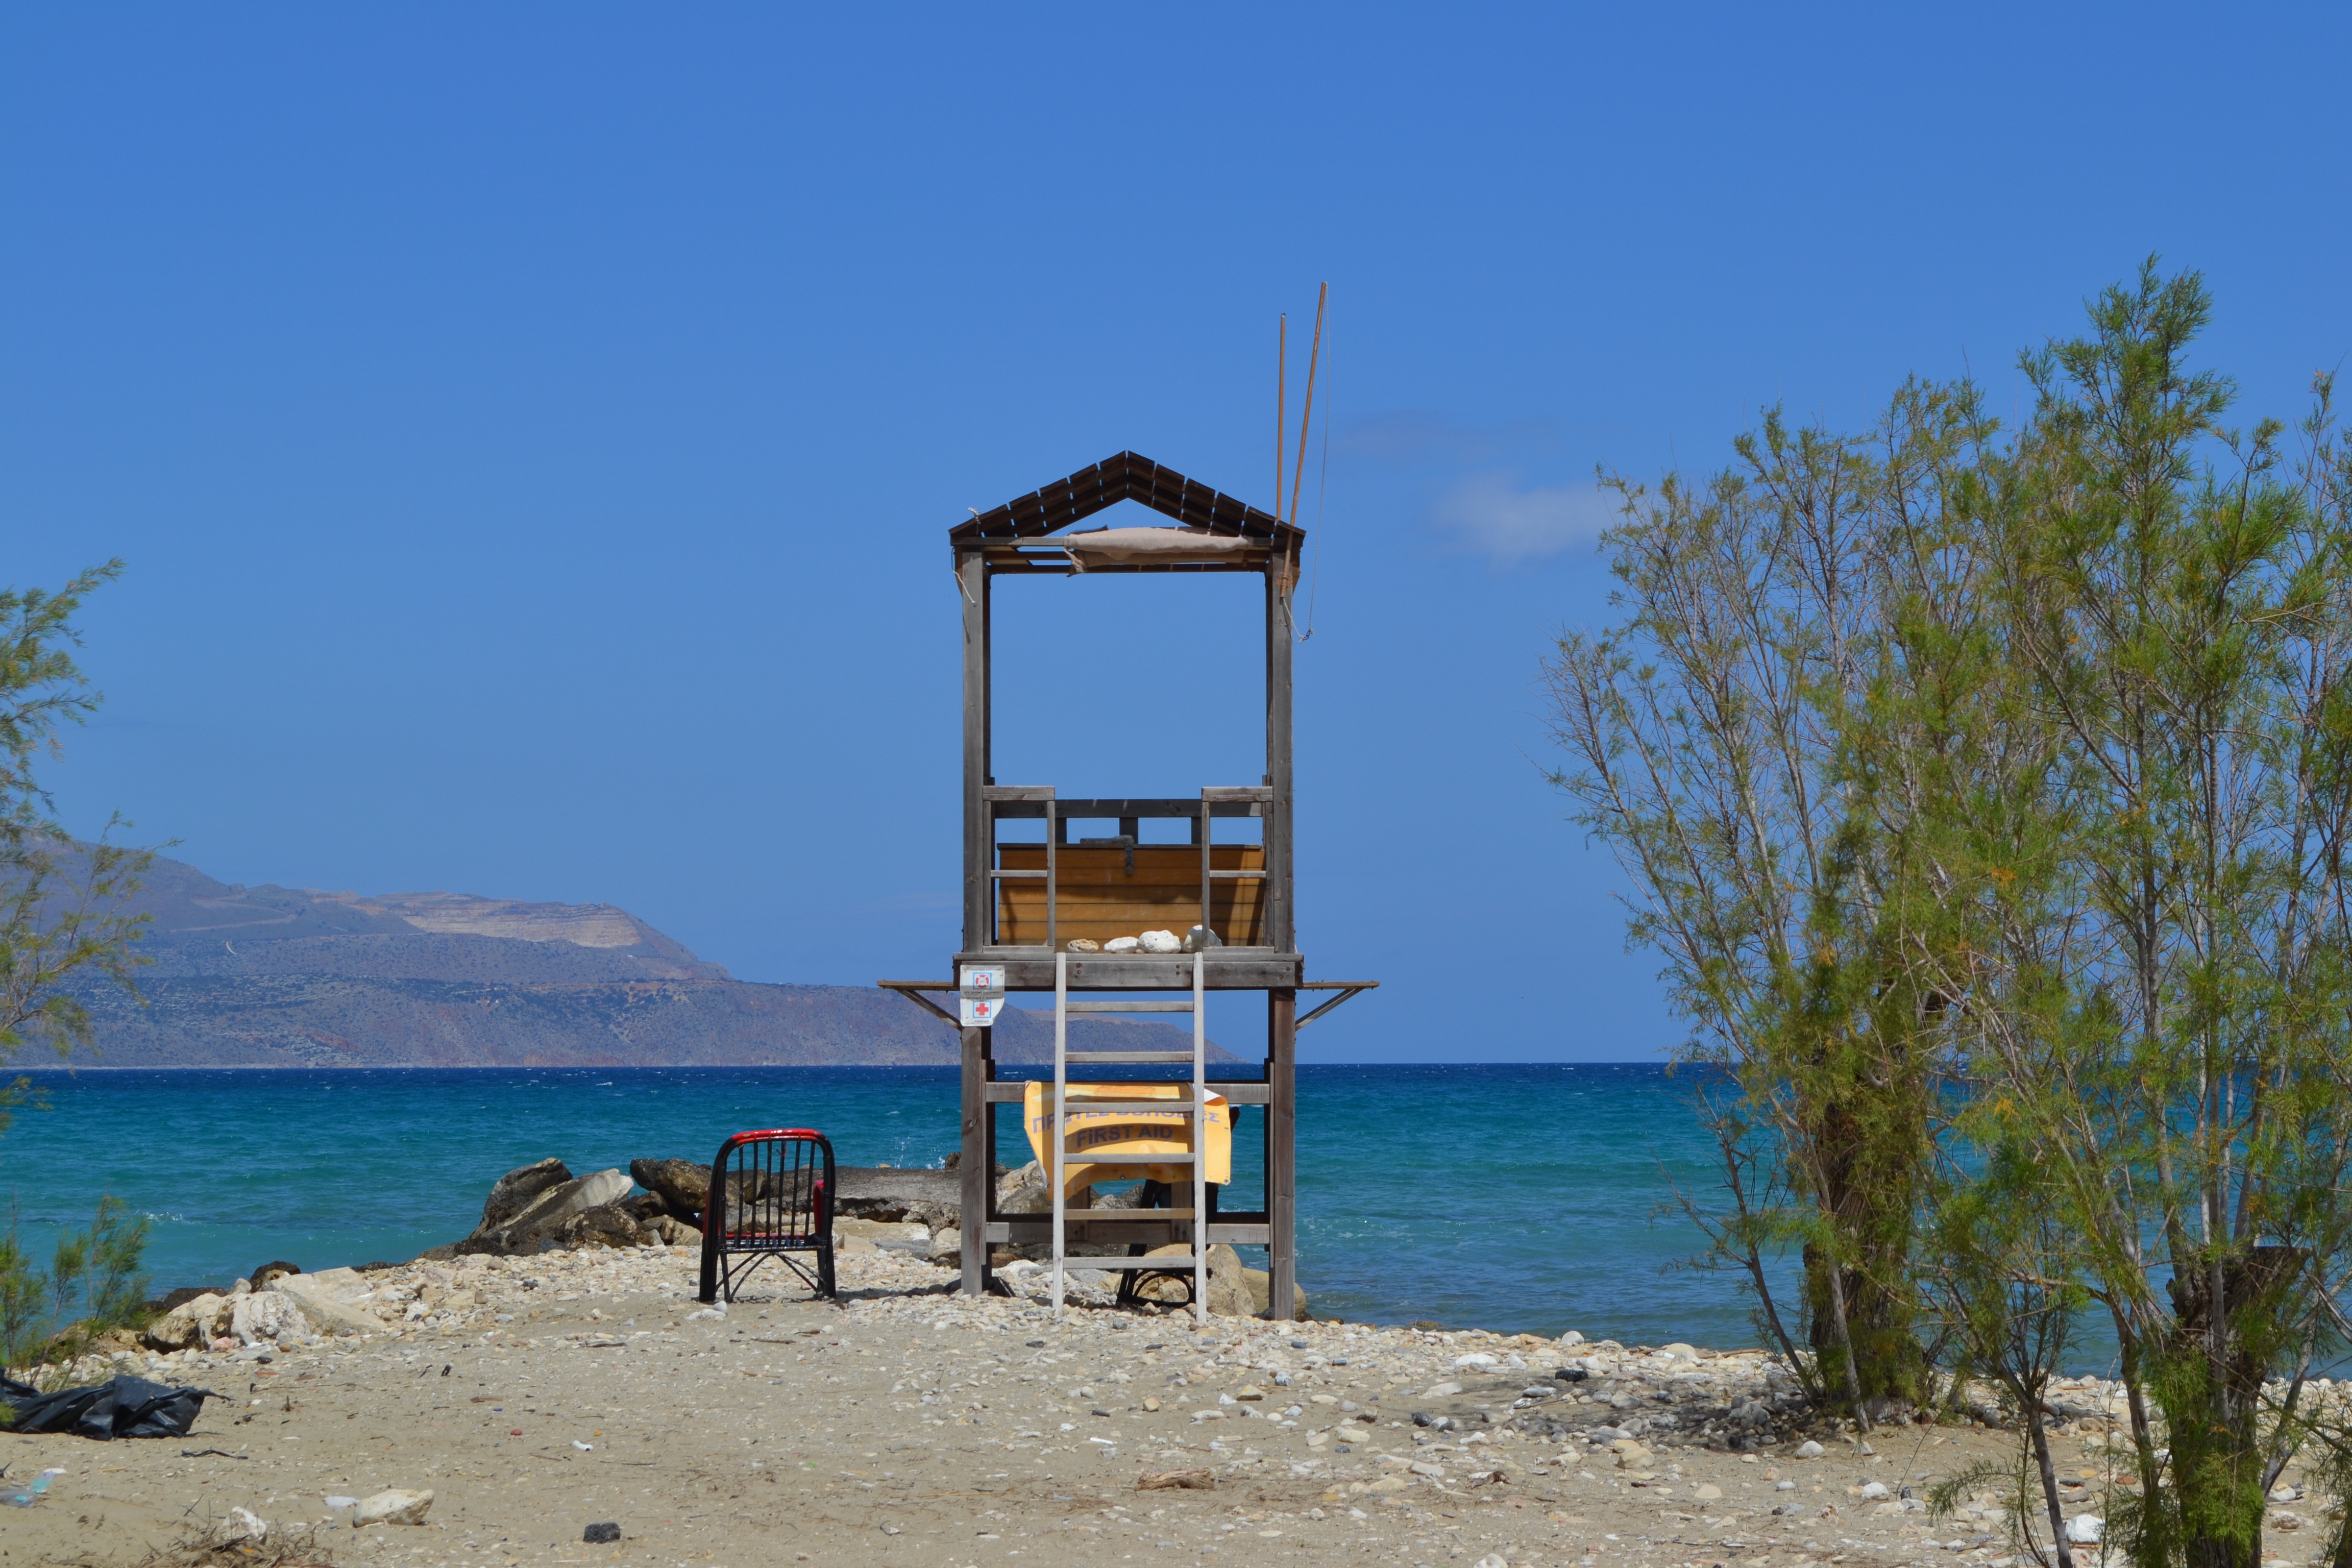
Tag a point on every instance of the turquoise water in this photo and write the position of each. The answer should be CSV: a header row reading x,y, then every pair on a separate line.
x,y
1511,1197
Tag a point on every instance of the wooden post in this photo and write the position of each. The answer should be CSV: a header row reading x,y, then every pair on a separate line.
x,y
1280,933
979,916
976,1165
1282,1152
1281,1005
972,581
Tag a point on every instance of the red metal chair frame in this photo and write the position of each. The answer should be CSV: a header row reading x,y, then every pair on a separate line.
x,y
791,1209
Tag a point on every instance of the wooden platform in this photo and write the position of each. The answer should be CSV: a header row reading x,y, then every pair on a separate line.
x,y
1229,969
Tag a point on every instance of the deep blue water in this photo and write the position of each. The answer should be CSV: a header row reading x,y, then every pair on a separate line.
x,y
1513,1197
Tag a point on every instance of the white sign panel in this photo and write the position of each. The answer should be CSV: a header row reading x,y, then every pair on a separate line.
x,y
980,992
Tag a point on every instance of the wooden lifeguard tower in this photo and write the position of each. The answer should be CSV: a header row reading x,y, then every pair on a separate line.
x,y
1025,903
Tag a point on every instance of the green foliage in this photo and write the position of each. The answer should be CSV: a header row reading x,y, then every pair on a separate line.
x,y
63,905
95,1282
1988,795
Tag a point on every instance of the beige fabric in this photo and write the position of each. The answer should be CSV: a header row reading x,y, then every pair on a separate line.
x,y
1151,546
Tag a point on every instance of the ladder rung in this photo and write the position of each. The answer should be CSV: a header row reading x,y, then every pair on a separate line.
x,y
1078,1105
1130,1007
1118,1216
1122,1057
1231,875
1167,1261
1039,875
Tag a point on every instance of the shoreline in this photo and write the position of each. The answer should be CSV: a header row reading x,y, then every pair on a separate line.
x,y
906,1423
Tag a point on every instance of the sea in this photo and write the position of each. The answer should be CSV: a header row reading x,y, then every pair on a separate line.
x,y
1515,1197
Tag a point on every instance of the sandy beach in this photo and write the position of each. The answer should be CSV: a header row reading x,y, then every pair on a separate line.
x,y
535,1396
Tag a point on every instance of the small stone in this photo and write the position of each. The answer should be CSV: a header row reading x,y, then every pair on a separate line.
x,y
1082,944
1201,938
1160,942
1874,1491
1809,1449
244,1524
2085,1529
1249,1391
1121,945
1441,1390
393,1507
1168,1480
1476,1361
599,1534
1707,1492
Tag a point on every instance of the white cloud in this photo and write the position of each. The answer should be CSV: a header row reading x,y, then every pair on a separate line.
x,y
1492,514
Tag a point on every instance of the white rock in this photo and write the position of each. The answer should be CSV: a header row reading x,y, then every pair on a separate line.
x,y
191,1325
1160,942
1121,945
393,1506
244,1524
1874,1491
1200,939
1571,1338
325,1298
1492,1560
1440,1390
2085,1529
269,1317
1809,1449
1476,1361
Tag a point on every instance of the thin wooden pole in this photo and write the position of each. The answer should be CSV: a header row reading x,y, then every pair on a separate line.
x,y
1282,1153
1281,404
1061,1111
975,1168
1306,413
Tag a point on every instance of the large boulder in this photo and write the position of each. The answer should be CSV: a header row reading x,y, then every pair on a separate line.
x,y
927,1197
538,1225
1261,1289
335,1300
514,1191
606,1224
681,1184
269,1317
1025,1191
1235,1292
190,1325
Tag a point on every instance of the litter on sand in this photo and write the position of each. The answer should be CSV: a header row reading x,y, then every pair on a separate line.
x,y
124,1407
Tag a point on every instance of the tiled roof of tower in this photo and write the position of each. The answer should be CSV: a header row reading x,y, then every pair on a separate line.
x,y
1126,476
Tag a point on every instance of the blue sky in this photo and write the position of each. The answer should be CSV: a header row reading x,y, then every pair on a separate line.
x,y
532,429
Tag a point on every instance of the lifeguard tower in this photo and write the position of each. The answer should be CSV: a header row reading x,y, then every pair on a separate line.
x,y
1038,911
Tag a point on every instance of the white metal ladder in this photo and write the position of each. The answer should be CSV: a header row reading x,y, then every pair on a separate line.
x,y
1196,1217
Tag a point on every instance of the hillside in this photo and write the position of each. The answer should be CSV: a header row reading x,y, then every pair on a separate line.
x,y
272,976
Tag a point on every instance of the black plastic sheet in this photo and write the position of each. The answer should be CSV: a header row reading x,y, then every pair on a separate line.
x,y
124,1407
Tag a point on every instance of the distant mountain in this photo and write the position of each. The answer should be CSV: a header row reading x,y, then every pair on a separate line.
x,y
274,976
